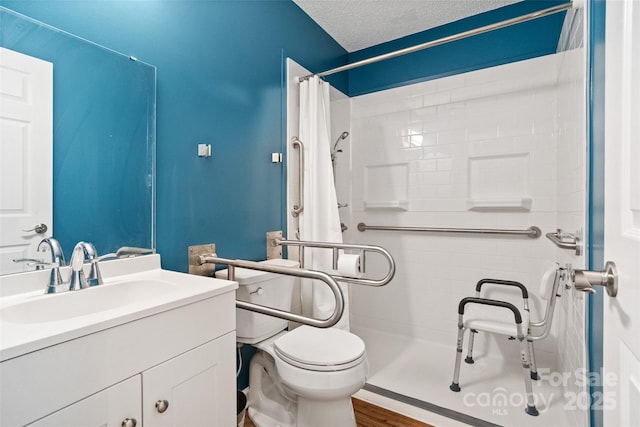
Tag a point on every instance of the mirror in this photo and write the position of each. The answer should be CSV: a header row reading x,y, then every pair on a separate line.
x,y
103,137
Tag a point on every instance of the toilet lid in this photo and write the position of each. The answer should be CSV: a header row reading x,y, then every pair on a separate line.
x,y
320,349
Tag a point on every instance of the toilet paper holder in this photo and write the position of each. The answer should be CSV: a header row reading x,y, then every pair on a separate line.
x,y
274,250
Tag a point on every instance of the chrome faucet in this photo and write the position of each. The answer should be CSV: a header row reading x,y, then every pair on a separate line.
x,y
52,246
91,255
82,252
77,280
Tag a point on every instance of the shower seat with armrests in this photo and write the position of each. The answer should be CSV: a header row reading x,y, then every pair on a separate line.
x,y
478,314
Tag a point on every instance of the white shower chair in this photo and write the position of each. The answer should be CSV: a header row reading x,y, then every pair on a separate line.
x,y
478,314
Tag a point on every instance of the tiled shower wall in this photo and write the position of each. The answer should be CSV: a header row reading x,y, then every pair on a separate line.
x,y
571,160
476,150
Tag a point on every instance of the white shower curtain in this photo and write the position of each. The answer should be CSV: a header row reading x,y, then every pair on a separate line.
x,y
319,221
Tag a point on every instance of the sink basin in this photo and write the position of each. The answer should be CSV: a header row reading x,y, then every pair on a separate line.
x,y
134,289
63,306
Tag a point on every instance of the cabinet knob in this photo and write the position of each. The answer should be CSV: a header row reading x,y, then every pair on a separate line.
x,y
129,422
162,405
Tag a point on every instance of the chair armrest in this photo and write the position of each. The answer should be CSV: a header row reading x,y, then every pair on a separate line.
x,y
523,289
495,303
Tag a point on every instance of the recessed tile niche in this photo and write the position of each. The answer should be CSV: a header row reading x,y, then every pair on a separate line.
x,y
386,186
499,182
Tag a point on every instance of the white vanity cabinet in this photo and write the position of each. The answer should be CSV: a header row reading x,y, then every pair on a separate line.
x,y
188,390
185,391
172,344
114,406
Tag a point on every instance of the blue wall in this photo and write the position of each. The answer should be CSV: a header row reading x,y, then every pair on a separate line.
x,y
220,70
219,82
515,43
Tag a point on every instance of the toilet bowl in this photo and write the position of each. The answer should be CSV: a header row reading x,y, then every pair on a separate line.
x,y
304,377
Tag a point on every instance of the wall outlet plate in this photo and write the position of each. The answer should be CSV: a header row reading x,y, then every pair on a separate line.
x,y
204,269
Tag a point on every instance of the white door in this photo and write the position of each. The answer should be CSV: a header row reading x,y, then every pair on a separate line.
x,y
26,156
622,213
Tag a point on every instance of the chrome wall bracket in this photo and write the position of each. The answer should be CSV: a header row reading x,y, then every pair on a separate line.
x,y
195,267
274,251
565,240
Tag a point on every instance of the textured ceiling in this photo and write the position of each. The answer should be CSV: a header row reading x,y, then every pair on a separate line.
x,y
358,24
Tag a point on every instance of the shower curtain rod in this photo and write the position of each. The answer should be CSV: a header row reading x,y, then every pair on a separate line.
x,y
502,24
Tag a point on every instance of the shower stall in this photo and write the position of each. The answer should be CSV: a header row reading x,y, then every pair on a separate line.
x,y
497,148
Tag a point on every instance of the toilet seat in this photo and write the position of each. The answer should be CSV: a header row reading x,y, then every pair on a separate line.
x,y
318,349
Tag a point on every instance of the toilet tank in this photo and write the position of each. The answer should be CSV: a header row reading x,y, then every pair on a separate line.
x,y
261,287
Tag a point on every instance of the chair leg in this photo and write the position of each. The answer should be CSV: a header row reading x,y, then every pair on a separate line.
x,y
534,369
524,355
469,358
455,386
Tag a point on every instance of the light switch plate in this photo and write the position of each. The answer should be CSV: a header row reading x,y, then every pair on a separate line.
x,y
204,150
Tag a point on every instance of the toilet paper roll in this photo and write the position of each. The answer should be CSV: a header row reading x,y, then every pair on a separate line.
x,y
349,265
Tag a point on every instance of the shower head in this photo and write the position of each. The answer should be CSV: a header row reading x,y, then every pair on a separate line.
x,y
342,136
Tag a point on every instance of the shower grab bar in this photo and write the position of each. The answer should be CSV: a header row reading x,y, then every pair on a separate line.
x,y
336,247
532,232
287,271
296,143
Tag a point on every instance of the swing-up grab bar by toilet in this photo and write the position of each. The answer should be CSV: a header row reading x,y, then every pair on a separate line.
x,y
287,271
336,254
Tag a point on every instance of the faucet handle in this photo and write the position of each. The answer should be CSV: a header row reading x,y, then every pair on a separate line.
x,y
91,254
55,279
95,276
77,280
39,264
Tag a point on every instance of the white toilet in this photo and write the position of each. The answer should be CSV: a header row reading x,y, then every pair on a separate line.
x,y
304,377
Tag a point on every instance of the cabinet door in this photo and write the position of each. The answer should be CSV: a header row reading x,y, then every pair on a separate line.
x,y
108,408
195,389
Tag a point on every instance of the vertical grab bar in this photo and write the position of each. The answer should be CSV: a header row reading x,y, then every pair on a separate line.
x,y
296,143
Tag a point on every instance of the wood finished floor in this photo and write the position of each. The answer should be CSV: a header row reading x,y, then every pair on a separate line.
x,y
368,415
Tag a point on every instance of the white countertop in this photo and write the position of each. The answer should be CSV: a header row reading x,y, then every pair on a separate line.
x,y
26,325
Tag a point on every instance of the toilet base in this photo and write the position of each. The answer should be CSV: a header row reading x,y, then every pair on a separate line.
x,y
322,413
274,404
327,413
261,419
269,404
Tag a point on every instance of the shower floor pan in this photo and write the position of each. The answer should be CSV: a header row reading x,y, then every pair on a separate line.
x,y
414,380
